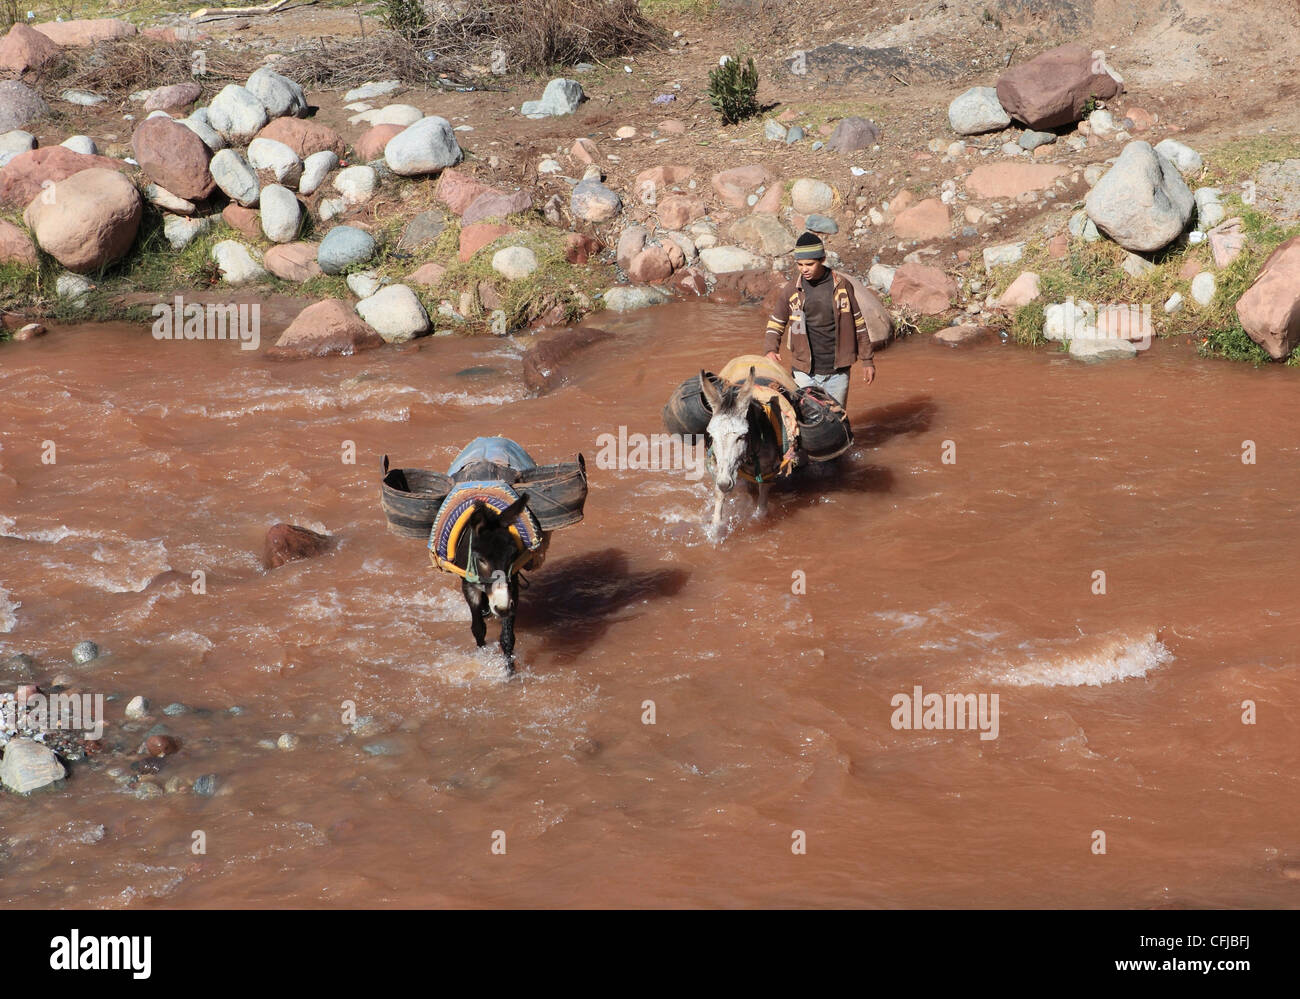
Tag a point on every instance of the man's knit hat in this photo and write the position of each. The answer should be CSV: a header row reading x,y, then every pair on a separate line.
x,y
809,247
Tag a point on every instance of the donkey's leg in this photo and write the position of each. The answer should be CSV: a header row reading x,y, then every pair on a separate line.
x,y
718,497
477,626
508,626
761,508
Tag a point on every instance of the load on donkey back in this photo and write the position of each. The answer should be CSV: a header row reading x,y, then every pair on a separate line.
x,y
488,519
756,416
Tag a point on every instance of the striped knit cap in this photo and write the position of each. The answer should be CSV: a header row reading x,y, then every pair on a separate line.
x,y
809,247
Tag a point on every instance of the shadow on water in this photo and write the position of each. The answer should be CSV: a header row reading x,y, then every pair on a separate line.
x,y
571,603
910,416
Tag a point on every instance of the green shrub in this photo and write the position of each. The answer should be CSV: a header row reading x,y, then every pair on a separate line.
x,y
406,17
733,90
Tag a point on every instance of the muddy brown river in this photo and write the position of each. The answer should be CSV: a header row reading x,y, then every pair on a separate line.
x,y
771,661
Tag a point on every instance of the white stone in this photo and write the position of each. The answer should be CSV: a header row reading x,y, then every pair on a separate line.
x,y
396,313
237,180
167,201
278,157
514,262
1203,288
356,184
281,214
363,284
83,144
237,114
1174,304
236,263
180,231
315,168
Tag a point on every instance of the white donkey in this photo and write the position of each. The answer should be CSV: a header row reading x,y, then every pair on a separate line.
x,y
741,442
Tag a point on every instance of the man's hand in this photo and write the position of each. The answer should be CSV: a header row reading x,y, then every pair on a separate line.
x,y
774,356
869,373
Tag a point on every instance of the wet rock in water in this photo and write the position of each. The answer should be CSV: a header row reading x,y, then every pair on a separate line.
x,y
85,652
176,785
137,708
328,327
396,313
289,543
174,709
384,747
28,766
162,745
19,666
288,741
149,765
543,362
206,785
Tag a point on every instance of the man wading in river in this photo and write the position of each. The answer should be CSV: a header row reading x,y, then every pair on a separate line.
x,y
821,324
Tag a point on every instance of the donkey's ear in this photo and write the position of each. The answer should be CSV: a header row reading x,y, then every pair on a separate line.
x,y
712,396
507,516
746,392
478,518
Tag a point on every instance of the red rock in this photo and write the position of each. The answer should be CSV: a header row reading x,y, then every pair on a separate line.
x,y
173,98
161,745
691,281
288,542
20,180
1058,247
174,158
243,220
584,151
926,290
746,286
578,248
671,126
675,255
1270,309
89,222
292,261
24,49
963,256
653,183
1142,119
926,220
372,142
544,361
769,203
1010,180
900,203
735,185
1227,240
1191,267
1052,88
650,266
303,137
328,327
16,246
86,32
494,204
29,332
430,274
473,238
488,295
457,190
678,210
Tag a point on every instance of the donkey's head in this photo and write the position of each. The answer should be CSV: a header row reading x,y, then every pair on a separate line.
x,y
493,551
728,427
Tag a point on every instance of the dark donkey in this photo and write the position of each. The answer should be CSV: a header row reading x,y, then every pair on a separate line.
x,y
487,550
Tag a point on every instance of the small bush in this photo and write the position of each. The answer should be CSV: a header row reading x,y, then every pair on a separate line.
x,y
406,17
733,90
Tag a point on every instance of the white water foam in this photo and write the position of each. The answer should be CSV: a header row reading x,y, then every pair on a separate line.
x,y
7,608
1108,661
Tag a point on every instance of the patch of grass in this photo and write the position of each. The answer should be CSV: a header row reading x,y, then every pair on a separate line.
x,y
660,9
1240,159
1027,324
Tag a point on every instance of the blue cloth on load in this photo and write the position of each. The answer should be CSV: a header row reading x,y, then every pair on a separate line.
x,y
498,450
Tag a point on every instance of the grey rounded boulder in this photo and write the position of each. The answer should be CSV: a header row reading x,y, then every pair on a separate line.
x,y
342,247
425,147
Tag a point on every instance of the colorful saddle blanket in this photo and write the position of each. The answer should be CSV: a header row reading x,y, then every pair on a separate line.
x,y
775,391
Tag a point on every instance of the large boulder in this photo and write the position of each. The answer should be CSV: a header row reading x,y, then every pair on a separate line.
x,y
237,114
22,179
173,98
90,31
328,327
237,180
289,543
278,158
927,219
279,95
343,246
20,105
1053,88
173,157
24,49
730,259
734,186
425,147
679,210
1142,202
1010,180
303,137
880,324
281,214
853,133
592,201
560,97
924,289
29,765
977,110
15,246
763,233
809,196
89,221
293,262
1270,309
